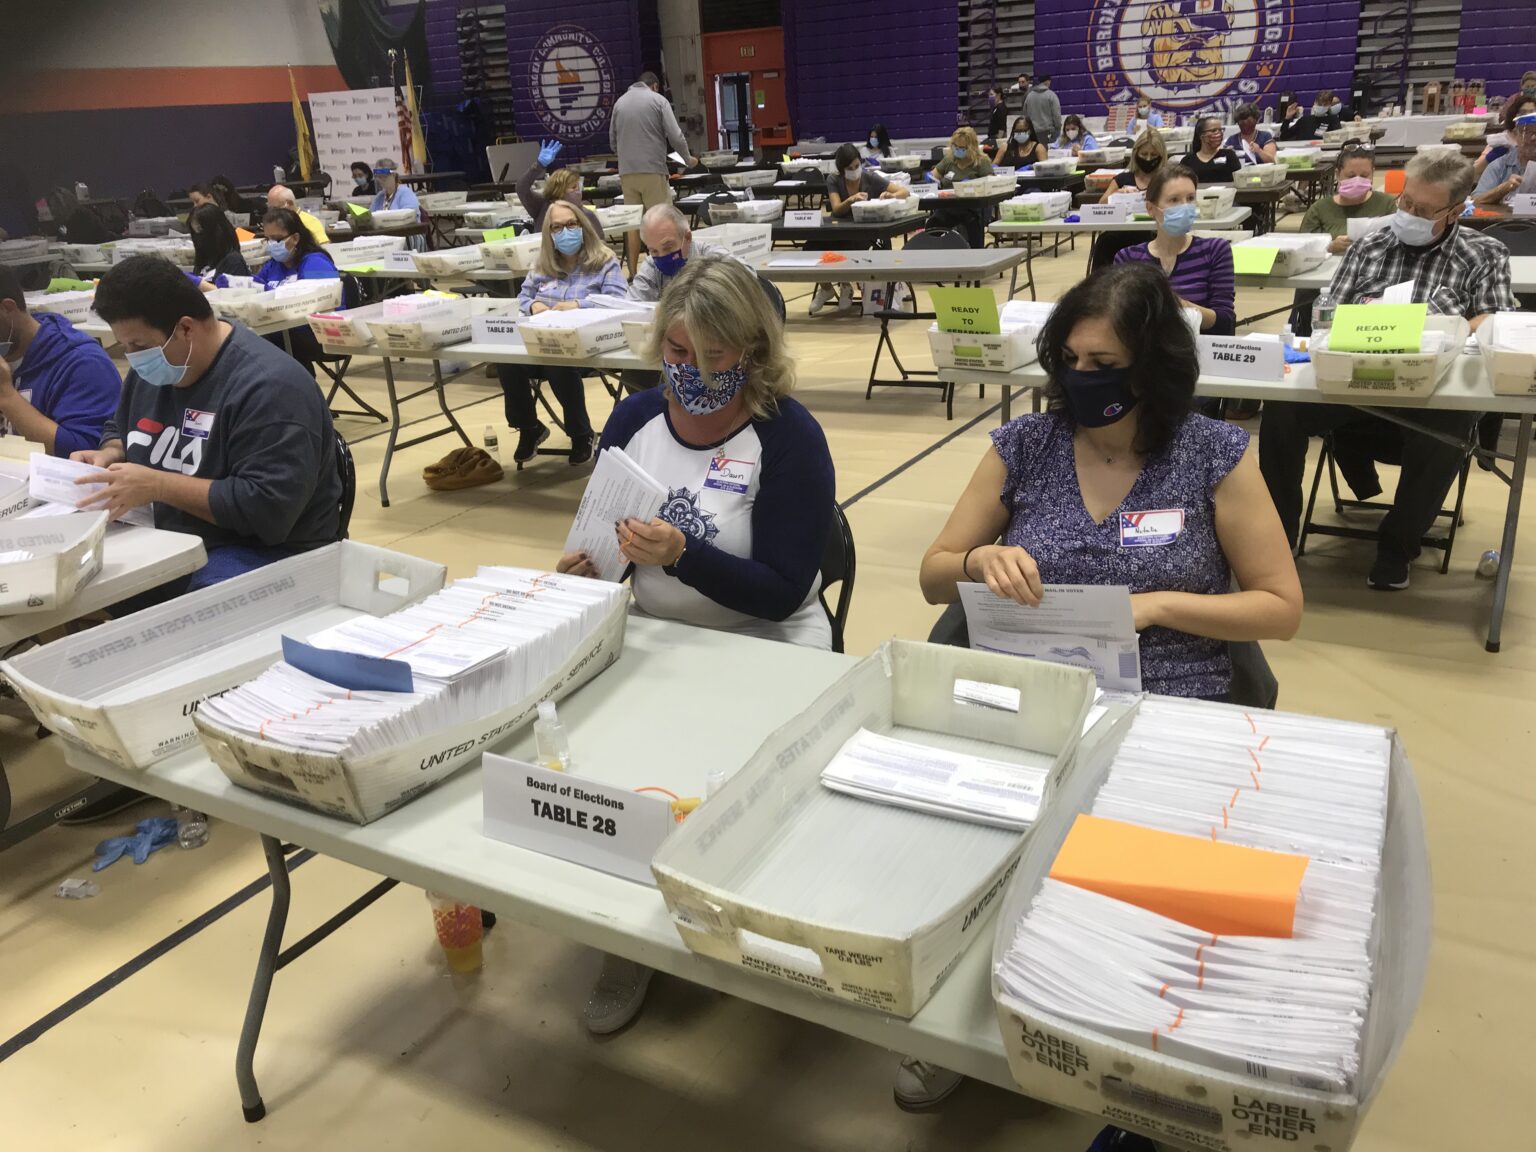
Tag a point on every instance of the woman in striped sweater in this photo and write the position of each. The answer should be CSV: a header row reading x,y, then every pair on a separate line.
x,y
1198,267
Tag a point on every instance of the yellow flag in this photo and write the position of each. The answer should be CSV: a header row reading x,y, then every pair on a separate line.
x,y
418,137
300,129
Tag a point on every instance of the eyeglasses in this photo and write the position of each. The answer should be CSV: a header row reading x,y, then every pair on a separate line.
x,y
1422,211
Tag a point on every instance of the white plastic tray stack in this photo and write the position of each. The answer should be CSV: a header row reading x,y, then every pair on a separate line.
x,y
748,211
515,255
744,241
1036,206
1013,347
178,252
1213,202
152,225
756,178
719,158
1507,341
394,217
494,216
987,185
876,211
363,251
483,652
1276,1043
1298,157
1294,251
293,301
1392,373
619,215
775,872
24,249
421,322
903,163
574,333
83,253
433,201
449,261
1263,175
1061,166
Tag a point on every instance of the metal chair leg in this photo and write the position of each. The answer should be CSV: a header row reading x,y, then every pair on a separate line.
x,y
1306,520
1461,494
261,987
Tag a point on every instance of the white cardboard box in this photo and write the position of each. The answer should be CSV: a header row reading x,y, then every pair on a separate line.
x,y
885,210
1262,175
573,334
394,217
73,306
1389,373
53,557
985,186
758,178
516,255
746,242
421,323
1061,166
1294,252
1011,348
448,261
432,201
1213,202
127,690
362,790
363,251
1033,206
15,491
619,215
1188,1105
1512,369
776,801
294,301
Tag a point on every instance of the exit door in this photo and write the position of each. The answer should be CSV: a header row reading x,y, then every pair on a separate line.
x,y
733,111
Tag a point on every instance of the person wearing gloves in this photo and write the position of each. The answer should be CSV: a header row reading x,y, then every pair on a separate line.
x,y
58,387
1198,267
292,254
574,263
1502,176
561,184
215,248
1024,147
1252,144
1075,135
1146,117
853,183
964,160
1498,144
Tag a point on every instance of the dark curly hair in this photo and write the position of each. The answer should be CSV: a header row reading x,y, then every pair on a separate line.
x,y
1141,308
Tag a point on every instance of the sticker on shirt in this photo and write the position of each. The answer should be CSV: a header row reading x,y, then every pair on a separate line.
x,y
195,423
1152,529
727,475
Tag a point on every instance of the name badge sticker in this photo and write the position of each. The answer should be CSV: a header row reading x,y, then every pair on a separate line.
x,y
195,423
727,475
1152,529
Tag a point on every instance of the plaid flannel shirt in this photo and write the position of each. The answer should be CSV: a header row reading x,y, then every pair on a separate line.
x,y
578,285
1466,274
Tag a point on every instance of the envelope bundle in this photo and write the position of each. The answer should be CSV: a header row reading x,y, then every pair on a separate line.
x,y
1288,1009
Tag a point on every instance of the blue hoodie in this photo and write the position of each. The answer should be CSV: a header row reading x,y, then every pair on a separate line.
x,y
71,380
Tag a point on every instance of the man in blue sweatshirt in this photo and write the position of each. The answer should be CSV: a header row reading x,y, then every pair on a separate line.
x,y
57,386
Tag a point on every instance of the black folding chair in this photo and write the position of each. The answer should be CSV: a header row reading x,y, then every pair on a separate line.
x,y
838,566
346,468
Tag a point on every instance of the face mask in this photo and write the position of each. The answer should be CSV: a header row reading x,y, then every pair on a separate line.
x,y
568,240
278,250
1355,188
1095,399
1414,231
1070,134
697,397
1021,137
1319,110
154,369
962,153
359,181
853,173
1148,163
874,141
670,264
1180,219
1334,107
1143,110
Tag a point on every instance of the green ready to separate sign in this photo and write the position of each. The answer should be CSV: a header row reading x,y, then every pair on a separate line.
x,y
968,310
1378,328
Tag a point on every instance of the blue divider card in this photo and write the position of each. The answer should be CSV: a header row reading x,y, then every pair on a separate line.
x,y
347,669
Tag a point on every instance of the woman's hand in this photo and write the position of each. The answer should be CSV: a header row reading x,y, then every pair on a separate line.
x,y
538,306
577,564
1146,609
1010,572
857,196
567,305
1339,244
657,544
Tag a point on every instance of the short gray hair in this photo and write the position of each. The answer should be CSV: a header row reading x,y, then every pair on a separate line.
x,y
1451,169
665,214
1244,111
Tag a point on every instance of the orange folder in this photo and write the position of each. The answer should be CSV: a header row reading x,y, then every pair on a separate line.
x,y
1221,888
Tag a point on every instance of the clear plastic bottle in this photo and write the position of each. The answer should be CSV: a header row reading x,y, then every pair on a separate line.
x,y
552,748
81,191
1322,313
1488,565
191,828
491,442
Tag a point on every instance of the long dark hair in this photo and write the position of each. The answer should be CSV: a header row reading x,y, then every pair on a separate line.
x,y
1015,151
882,137
289,221
225,194
213,236
1140,306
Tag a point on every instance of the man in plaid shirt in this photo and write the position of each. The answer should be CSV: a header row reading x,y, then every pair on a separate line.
x,y
1457,272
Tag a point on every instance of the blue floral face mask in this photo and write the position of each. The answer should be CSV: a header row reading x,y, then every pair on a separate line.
x,y
690,390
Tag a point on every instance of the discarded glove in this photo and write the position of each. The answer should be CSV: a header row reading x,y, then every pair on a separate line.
x,y
150,835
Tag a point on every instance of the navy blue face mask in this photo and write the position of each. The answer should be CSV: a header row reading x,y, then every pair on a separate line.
x,y
1095,399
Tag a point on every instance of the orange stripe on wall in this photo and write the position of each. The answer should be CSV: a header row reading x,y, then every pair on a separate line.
x,y
88,89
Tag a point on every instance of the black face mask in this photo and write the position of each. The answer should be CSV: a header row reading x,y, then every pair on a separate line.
x,y
1098,398
1149,165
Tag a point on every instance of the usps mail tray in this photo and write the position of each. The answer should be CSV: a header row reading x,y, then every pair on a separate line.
x,y
1389,373
45,560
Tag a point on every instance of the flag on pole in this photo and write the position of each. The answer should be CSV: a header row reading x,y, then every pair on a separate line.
x,y
300,130
417,160
403,124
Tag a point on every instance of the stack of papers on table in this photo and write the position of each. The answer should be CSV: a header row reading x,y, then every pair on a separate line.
x,y
1278,985
619,489
368,685
1085,625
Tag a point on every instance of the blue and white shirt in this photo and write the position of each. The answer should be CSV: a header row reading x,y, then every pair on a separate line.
x,y
756,509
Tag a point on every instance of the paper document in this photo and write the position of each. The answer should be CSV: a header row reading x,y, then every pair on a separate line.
x,y
1398,293
53,480
676,159
796,260
618,489
1528,180
1085,625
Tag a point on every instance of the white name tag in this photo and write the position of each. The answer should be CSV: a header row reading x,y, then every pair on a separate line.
x,y
1242,358
1104,213
727,475
1523,203
806,219
1152,529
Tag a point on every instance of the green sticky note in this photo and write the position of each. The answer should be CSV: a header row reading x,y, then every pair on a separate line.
x,y
966,310
493,234
362,268
356,209
1378,327
1255,261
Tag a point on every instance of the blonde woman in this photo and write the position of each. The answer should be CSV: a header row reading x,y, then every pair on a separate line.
x,y
1149,154
573,265
964,160
739,542
561,184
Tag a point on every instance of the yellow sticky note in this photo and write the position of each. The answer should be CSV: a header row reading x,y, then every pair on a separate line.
x,y
362,268
493,234
1378,327
966,310
1253,261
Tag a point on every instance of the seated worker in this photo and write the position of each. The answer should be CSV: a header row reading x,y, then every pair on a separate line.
x,y
963,160
57,386
1147,156
1327,113
1502,176
1198,267
878,144
1498,144
215,247
561,184
1208,159
744,555
1356,198
1024,147
1252,144
281,196
224,435
200,194
573,263
292,254
362,179
1075,135
854,182
1146,117
391,193
1457,272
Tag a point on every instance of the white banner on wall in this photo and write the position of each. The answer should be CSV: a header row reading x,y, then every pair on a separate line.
x,y
351,126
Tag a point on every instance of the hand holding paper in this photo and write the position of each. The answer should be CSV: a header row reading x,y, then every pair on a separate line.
x,y
618,490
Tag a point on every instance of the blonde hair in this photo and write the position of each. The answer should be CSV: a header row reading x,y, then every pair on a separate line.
x,y
965,137
594,253
719,300
558,184
1153,139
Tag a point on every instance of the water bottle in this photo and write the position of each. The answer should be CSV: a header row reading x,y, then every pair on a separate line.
x,y
277,174
490,439
1488,564
191,828
553,749
1322,313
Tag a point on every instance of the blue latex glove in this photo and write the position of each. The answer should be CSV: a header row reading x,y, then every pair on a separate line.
x,y
931,176
1296,356
548,152
150,836
1071,218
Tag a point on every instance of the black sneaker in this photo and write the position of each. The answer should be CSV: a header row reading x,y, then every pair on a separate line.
x,y
528,441
581,449
1389,573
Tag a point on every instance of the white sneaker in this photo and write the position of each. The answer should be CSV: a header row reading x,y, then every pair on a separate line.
x,y
821,298
618,995
845,298
921,1085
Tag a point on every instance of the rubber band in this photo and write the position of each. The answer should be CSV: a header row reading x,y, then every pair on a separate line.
x,y
653,788
1163,991
1255,757
1251,724
1256,787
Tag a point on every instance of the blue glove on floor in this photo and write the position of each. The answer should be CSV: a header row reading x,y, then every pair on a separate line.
x,y
151,835
547,153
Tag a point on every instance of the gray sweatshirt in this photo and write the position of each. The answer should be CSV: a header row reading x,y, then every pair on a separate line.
x,y
642,130
1043,110
256,425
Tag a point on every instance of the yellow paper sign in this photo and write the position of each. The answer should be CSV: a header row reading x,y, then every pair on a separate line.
x,y
1378,328
493,234
361,268
356,209
1255,261
972,310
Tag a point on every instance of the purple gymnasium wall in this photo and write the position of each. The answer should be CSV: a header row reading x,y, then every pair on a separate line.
x,y
1496,43
1192,55
861,62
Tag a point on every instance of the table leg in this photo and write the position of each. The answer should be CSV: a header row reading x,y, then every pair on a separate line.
x,y
442,402
261,987
394,432
1511,524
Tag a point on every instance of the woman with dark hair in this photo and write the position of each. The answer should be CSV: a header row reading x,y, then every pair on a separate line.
x,y
997,116
362,179
1075,135
1119,481
1251,143
854,182
215,247
879,142
1207,158
1024,147
224,192
293,254
1198,267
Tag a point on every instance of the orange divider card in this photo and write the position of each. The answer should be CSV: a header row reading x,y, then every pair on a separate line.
x,y
1222,888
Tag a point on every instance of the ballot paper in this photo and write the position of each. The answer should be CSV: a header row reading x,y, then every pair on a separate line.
x,y
619,303
1361,227
53,480
677,159
1085,625
1288,1010
796,260
1398,293
935,780
618,489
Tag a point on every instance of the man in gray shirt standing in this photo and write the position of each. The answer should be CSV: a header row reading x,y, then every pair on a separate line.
x,y
641,131
1043,110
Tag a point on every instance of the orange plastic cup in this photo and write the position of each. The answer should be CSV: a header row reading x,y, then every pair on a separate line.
x,y
459,931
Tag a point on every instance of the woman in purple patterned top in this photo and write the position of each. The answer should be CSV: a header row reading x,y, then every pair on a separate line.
x,y
1198,267
1120,482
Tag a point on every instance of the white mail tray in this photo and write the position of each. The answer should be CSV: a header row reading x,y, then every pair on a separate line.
x,y
620,215
1294,252
775,872
73,306
515,255
1389,373
45,560
432,201
575,333
1262,176
364,250
394,217
1507,341
449,261
1213,202
127,690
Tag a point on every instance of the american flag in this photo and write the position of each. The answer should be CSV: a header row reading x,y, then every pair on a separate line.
x,y
403,120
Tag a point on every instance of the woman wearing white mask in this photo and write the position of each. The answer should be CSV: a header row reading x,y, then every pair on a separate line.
x,y
1198,267
1355,199
878,143
574,264
853,183
1075,135
1024,147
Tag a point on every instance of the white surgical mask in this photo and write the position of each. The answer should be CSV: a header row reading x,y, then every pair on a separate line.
x,y
1414,231
853,173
